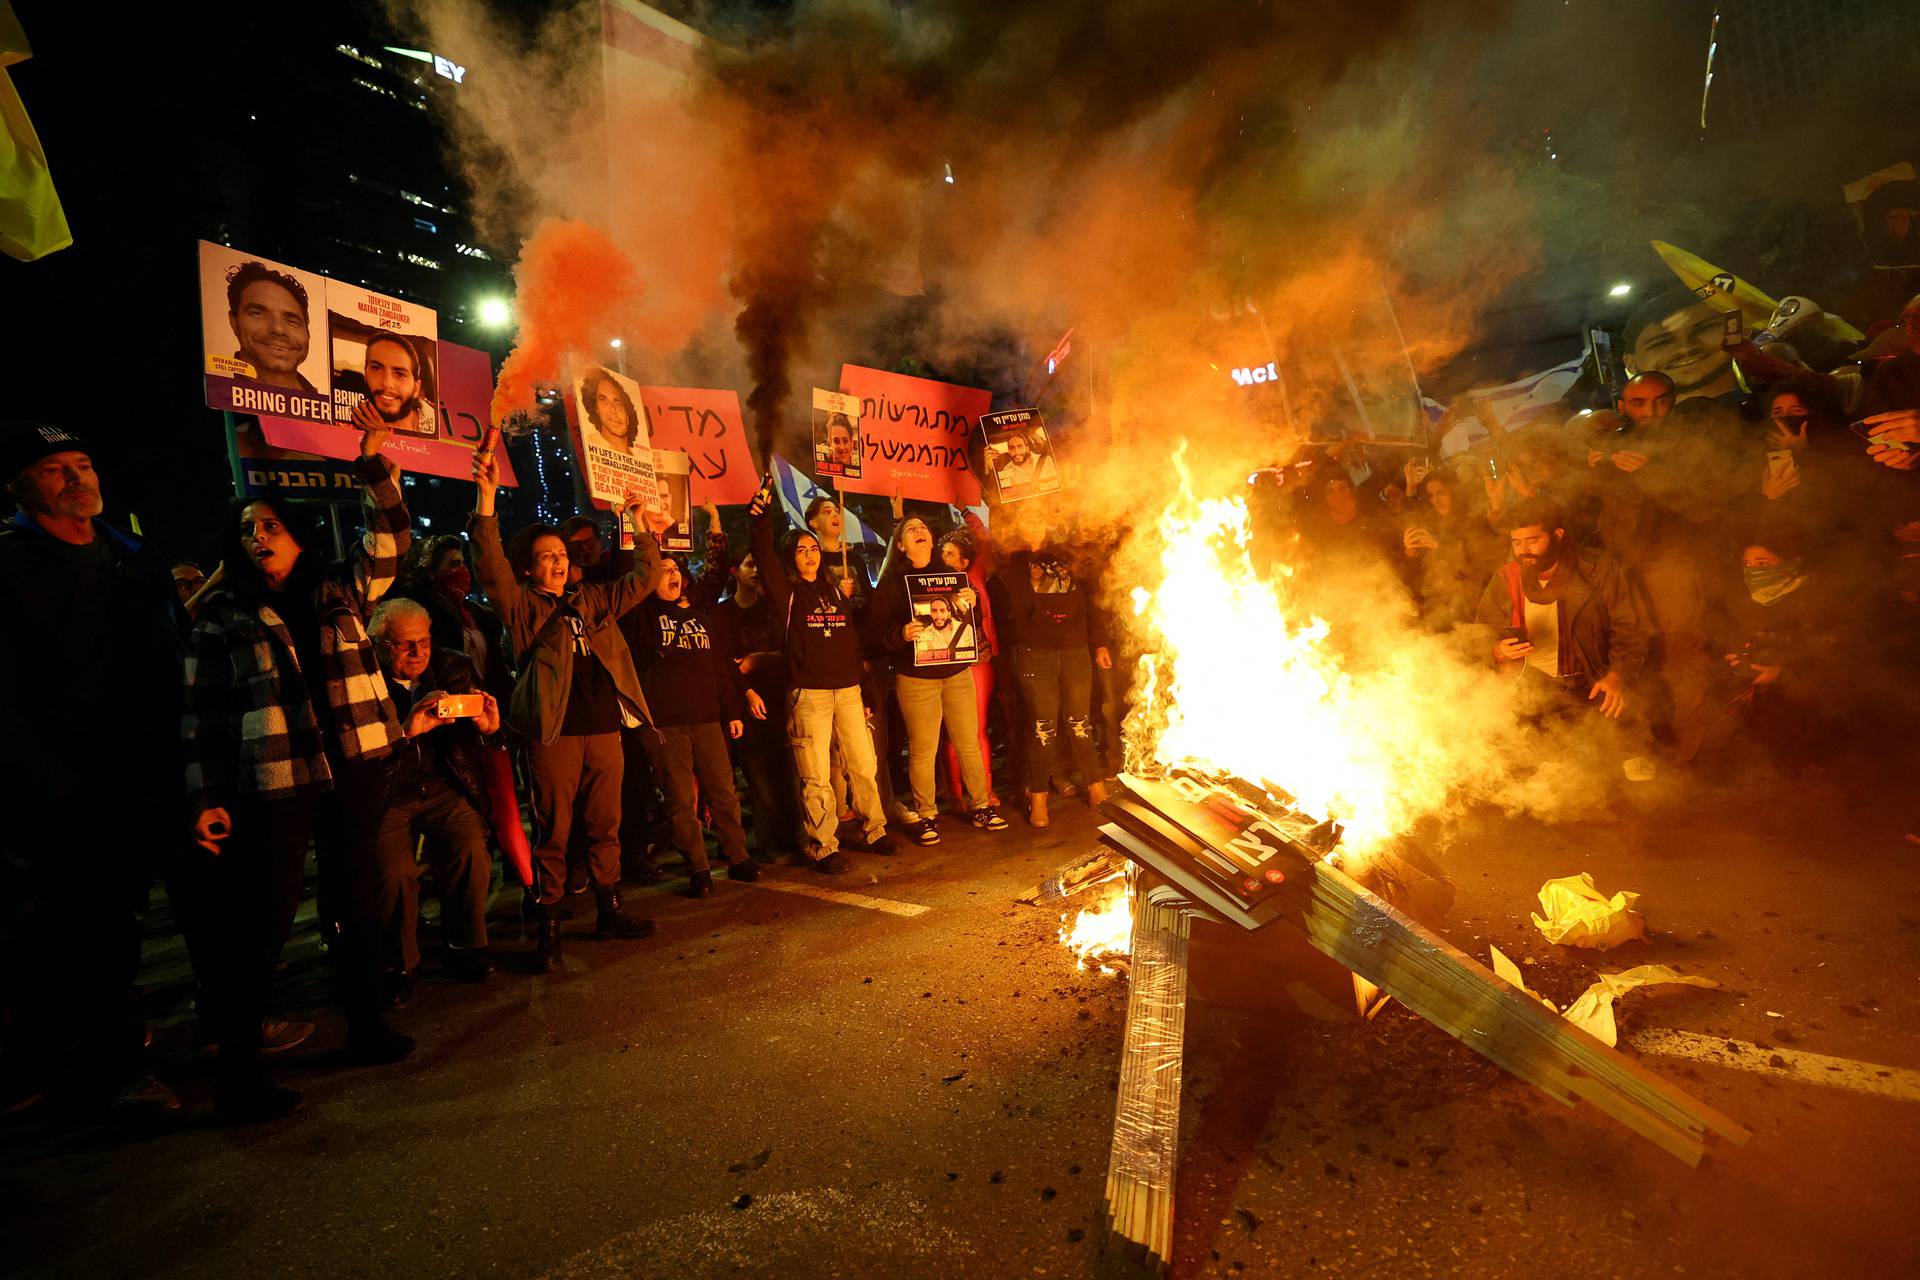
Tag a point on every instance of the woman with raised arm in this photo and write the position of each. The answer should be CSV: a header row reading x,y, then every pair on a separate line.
x,y
286,724
577,687
813,623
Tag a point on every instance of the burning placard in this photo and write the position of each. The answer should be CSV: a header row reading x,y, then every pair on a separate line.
x,y
1019,454
836,435
943,605
383,350
257,336
615,453
672,471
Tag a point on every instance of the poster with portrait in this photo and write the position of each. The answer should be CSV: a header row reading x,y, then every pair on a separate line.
x,y
673,475
943,605
385,353
1019,455
615,453
836,435
263,336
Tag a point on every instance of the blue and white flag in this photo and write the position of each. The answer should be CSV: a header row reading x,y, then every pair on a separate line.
x,y
1513,405
797,492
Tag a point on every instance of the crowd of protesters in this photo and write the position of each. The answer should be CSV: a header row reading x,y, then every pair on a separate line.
x,y
1713,557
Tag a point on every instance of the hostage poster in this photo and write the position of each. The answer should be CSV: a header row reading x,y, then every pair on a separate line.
x,y
614,452
385,353
836,435
1019,455
942,604
915,432
257,325
672,471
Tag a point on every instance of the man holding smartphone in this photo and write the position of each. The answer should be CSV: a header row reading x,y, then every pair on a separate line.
x,y
436,790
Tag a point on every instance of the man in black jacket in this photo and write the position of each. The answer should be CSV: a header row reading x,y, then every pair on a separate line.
x,y
90,655
435,790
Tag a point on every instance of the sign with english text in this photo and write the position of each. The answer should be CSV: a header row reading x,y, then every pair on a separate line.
x,y
263,336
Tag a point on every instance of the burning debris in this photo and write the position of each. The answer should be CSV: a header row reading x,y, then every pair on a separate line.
x,y
1100,936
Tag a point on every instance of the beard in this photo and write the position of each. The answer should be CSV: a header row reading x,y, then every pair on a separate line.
x,y
77,502
408,408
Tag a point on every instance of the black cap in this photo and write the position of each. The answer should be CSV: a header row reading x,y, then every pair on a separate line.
x,y
24,443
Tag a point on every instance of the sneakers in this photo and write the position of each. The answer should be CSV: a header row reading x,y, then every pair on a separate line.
x,y
884,845
833,864
988,818
927,831
145,1097
744,870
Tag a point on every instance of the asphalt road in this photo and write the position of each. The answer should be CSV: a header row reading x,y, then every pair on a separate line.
x,y
781,1085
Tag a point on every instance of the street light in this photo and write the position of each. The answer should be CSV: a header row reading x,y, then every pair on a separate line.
x,y
495,313
1620,291
615,344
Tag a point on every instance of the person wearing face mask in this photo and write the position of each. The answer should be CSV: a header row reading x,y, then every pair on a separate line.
x,y
932,694
815,626
577,688
694,692
288,728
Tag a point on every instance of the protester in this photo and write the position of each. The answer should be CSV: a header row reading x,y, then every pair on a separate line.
x,y
90,638
1566,620
849,566
815,628
1058,631
577,687
968,550
932,693
436,793
693,690
1450,549
288,728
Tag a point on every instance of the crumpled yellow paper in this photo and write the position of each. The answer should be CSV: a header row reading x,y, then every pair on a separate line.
x,y
1579,915
1593,1011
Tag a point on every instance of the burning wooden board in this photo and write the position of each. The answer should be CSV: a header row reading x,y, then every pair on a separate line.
x,y
1252,866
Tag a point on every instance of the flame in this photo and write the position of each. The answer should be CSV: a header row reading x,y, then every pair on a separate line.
x,y
1240,680
1102,933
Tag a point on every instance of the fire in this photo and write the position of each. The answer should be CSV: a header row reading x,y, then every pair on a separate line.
x,y
1103,933
1239,680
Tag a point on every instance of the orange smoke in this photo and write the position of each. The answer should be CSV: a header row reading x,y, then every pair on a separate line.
x,y
572,286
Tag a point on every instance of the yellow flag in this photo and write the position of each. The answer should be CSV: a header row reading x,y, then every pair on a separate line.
x,y
32,223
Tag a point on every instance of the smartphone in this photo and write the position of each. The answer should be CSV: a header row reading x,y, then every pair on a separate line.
x,y
460,705
1514,633
1865,432
1732,330
1779,462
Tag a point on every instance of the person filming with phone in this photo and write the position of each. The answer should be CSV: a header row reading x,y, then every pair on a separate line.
x,y
436,791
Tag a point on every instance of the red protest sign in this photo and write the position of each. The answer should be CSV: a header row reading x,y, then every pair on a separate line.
x,y
708,426
915,433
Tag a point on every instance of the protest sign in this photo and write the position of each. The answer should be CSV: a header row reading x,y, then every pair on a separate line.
x,y
266,466
385,350
707,424
672,471
1019,455
836,435
943,604
257,321
614,452
466,390
915,434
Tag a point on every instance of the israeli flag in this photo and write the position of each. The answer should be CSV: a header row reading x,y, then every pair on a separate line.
x,y
1514,405
797,492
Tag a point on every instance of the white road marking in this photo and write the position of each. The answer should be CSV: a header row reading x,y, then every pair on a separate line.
x,y
845,899
1792,1064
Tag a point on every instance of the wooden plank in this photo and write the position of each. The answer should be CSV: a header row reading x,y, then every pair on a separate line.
x,y
1146,1120
1157,824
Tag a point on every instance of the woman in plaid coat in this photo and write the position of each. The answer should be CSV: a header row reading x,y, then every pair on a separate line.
x,y
287,725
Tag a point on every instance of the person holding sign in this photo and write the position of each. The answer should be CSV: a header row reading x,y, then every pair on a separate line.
x,y
288,728
924,621
577,688
814,626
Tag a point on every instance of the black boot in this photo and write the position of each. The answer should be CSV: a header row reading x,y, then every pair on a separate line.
x,y
613,921
546,924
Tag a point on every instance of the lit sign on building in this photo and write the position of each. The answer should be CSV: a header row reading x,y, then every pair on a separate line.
x,y
1252,375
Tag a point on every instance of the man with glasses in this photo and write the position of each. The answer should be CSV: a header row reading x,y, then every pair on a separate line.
x,y
436,791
